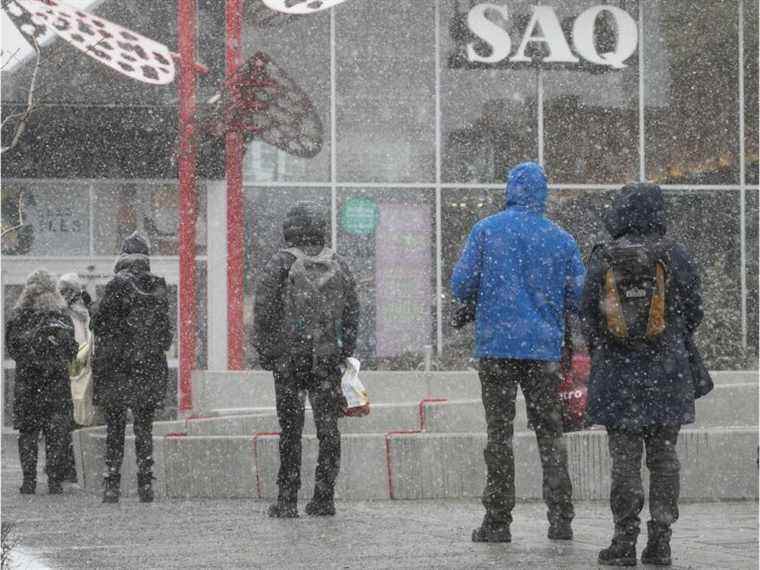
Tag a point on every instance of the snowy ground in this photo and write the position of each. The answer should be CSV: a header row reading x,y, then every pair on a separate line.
x,y
77,531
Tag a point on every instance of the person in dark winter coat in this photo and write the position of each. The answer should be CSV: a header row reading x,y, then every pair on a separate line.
x,y
525,275
132,334
642,392
300,363
42,397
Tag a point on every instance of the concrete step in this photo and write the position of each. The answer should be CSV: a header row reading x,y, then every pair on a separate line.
x,y
225,391
728,405
717,463
382,418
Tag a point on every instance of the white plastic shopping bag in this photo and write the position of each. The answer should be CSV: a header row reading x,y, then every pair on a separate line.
x,y
354,392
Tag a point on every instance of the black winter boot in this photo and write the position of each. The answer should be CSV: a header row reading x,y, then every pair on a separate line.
x,y
492,531
28,486
322,505
622,552
560,529
55,487
283,510
657,550
112,489
145,487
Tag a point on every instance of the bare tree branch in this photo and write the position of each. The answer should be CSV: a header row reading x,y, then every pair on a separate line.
x,y
10,58
24,116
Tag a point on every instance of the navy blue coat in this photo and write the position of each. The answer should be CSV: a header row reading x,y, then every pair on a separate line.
x,y
634,388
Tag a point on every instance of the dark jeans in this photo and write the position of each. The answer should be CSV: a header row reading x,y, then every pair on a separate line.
x,y
539,382
55,428
116,422
292,381
627,492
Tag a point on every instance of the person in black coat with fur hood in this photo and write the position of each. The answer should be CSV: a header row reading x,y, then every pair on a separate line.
x,y
39,336
133,332
642,390
303,335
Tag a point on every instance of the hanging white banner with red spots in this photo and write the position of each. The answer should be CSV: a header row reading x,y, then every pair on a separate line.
x,y
301,6
22,19
120,49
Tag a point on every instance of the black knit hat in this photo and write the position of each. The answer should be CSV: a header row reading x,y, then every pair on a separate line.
x,y
135,243
305,224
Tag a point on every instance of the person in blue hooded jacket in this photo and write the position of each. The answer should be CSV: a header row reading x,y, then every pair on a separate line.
x,y
524,274
643,392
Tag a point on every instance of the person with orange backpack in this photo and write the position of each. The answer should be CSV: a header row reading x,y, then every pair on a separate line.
x,y
641,306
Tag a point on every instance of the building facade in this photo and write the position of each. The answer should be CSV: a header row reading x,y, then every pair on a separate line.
x,y
424,105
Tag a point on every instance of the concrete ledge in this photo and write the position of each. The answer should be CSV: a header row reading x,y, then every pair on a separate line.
x,y
432,466
363,471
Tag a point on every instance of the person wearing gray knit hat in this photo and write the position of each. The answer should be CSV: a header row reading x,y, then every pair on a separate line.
x,y
132,334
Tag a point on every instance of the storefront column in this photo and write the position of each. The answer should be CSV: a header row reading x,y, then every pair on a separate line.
x,y
217,274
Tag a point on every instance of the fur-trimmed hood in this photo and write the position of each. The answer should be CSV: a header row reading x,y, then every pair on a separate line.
x,y
40,293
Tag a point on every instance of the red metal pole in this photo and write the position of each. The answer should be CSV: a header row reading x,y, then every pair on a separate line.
x,y
186,31
235,220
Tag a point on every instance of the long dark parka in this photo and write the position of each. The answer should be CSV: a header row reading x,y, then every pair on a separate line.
x,y
636,388
40,388
120,380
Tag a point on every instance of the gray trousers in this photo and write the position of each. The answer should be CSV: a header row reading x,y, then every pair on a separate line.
x,y
539,382
627,492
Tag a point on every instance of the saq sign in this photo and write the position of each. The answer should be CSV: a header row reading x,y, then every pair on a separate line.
x,y
494,43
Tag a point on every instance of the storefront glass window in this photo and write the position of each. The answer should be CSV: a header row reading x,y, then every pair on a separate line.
x,y
690,79
385,81
46,218
751,103
150,208
300,47
488,112
388,238
753,269
590,110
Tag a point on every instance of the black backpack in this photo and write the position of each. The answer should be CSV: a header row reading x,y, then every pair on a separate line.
x,y
147,322
50,342
635,280
314,303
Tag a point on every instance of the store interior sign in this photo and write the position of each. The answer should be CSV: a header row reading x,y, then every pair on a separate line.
x,y
494,45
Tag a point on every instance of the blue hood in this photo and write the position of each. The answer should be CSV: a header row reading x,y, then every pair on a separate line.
x,y
526,187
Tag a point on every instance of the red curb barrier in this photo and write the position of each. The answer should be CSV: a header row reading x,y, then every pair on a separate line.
x,y
388,435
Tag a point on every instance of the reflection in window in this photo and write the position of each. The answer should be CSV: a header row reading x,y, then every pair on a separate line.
x,y
690,79
46,219
489,114
150,208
